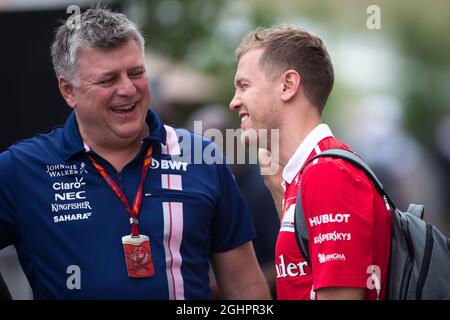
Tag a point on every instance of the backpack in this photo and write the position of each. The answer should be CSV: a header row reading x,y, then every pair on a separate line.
x,y
419,262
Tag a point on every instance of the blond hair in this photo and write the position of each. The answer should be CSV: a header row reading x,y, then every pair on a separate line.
x,y
289,47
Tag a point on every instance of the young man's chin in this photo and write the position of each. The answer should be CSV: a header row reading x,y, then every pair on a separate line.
x,y
249,137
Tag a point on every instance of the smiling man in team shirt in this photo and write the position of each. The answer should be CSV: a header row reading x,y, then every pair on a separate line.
x,y
89,208
283,80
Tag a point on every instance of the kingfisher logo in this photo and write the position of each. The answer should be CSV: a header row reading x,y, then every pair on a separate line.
x,y
57,207
168,164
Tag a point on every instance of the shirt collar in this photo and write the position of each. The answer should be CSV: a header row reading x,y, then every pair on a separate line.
x,y
72,143
303,151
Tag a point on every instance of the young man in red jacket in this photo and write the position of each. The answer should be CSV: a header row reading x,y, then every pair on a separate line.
x,y
283,80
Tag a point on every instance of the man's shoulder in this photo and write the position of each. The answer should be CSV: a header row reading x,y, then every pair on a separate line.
x,y
328,167
38,144
333,171
332,142
28,152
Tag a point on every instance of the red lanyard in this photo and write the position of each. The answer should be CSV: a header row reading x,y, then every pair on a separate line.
x,y
133,212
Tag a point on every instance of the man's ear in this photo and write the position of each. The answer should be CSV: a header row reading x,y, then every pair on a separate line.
x,y
291,83
67,91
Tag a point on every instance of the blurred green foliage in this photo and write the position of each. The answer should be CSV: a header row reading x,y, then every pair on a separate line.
x,y
197,33
423,35
200,33
178,27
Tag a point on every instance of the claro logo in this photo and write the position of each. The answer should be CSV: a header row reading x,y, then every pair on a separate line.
x,y
68,187
58,186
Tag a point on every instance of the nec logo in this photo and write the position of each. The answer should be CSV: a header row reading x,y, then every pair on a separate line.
x,y
80,195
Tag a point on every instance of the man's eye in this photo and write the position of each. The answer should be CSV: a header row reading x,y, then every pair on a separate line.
x,y
107,81
136,74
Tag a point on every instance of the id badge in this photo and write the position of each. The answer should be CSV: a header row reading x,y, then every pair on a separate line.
x,y
138,256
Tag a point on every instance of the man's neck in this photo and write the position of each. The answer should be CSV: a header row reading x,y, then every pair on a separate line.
x,y
117,154
118,158
294,132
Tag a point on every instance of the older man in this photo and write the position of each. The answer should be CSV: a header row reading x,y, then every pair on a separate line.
x,y
101,208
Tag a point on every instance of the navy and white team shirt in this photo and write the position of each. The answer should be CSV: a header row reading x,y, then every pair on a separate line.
x,y
67,224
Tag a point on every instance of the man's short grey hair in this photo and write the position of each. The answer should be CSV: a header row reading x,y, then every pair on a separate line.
x,y
99,28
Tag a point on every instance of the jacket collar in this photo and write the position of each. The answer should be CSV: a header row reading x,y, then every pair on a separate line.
x,y
303,151
72,143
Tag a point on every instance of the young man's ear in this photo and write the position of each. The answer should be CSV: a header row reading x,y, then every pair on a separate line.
x,y
291,83
66,89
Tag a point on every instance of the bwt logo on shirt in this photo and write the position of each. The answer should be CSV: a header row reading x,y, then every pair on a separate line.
x,y
326,218
168,164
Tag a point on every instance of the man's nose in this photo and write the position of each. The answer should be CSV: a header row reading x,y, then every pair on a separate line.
x,y
235,103
126,87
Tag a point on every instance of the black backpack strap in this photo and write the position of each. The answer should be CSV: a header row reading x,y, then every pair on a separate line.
x,y
301,230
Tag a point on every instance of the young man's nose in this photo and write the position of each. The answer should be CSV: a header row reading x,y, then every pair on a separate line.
x,y
235,103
